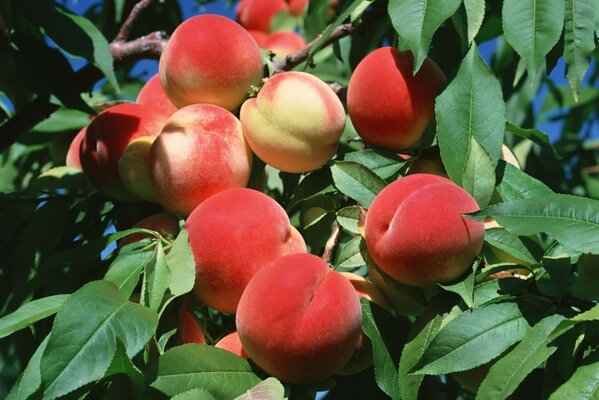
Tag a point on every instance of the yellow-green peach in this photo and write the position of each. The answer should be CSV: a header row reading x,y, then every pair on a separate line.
x,y
134,168
295,122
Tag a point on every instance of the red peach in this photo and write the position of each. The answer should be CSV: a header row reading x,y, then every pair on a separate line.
x,y
299,320
283,43
295,122
297,7
259,36
257,15
210,59
153,94
72,159
389,107
163,223
189,329
201,151
232,343
233,235
416,234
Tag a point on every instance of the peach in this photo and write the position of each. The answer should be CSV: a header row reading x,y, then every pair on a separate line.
x,y
189,328
233,235
299,320
258,14
201,151
232,343
428,165
134,168
295,122
389,107
259,36
283,43
210,59
402,299
163,223
153,94
72,159
105,140
416,234
297,7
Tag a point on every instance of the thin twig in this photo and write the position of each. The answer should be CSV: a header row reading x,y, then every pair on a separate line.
x,y
131,19
332,241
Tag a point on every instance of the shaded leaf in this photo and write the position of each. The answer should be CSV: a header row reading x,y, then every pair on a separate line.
x,y
350,257
356,181
584,382
31,378
348,218
515,184
535,136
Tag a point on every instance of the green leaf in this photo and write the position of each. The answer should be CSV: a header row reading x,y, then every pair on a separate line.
x,y
554,278
478,177
348,218
463,287
475,11
194,394
125,271
121,364
84,337
416,21
535,136
157,279
516,247
409,385
515,184
383,163
474,338
508,372
350,257
269,389
590,315
532,28
572,220
583,384
191,366
182,265
356,181
31,378
579,40
377,325
72,33
30,313
470,125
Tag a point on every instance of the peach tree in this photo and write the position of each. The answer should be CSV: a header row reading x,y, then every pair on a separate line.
x,y
350,199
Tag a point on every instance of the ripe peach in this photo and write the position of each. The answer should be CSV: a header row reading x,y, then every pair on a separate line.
x,y
403,299
389,107
72,159
134,168
297,7
299,320
154,95
210,59
163,223
106,138
232,343
189,329
295,122
259,36
201,151
416,234
283,43
258,14
233,235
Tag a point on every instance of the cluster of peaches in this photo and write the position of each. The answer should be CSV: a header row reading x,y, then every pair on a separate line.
x,y
187,144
